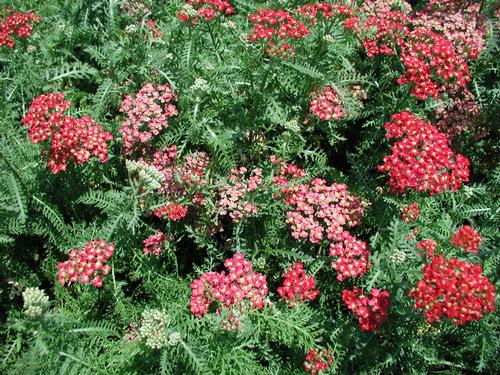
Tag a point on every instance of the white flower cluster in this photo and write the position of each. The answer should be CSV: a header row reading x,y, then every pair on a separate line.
x,y
36,302
200,85
174,338
148,176
397,257
153,330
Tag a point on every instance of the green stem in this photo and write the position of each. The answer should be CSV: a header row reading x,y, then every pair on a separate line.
x,y
216,46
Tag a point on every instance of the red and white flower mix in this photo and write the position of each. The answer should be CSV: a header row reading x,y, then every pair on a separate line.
x,y
154,244
15,24
297,286
371,312
146,115
69,139
467,238
230,289
421,159
87,264
318,360
453,289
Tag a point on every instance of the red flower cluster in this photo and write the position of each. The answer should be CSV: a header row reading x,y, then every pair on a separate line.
x,y
70,139
327,105
18,24
430,59
453,289
430,246
326,10
421,160
232,199
172,211
467,238
410,213
427,55
317,203
195,10
230,290
318,360
154,244
353,257
86,263
371,312
273,24
286,174
147,114
297,287
391,29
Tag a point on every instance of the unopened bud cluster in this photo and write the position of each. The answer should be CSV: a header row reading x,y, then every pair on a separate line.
x,y
36,302
153,330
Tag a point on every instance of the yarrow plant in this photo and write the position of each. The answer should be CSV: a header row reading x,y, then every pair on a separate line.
x,y
273,25
229,290
318,360
196,10
69,139
371,312
426,248
87,264
153,329
421,159
154,244
467,238
453,289
352,257
36,302
15,24
297,286
233,197
327,105
146,115
173,211
410,213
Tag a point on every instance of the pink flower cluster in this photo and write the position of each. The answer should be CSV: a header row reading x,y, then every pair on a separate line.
x,y
154,244
317,204
462,27
453,289
276,24
229,290
172,211
467,238
352,257
182,178
196,10
15,24
86,263
327,105
410,213
297,287
233,196
421,160
461,112
370,312
135,9
146,115
317,360
70,139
